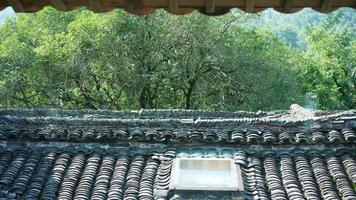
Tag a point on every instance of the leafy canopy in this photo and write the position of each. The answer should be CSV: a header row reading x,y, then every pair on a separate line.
x,y
79,59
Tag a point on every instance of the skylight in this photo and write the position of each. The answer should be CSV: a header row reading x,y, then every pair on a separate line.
x,y
206,174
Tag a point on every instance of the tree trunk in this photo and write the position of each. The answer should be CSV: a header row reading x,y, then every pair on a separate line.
x,y
188,95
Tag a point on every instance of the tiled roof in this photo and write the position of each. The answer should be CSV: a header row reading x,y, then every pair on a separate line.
x,y
343,136
176,127
210,7
64,173
56,154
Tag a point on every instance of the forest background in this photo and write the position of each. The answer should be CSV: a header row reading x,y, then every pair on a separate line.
x,y
239,61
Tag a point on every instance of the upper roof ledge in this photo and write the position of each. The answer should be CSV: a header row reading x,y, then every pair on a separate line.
x,y
295,114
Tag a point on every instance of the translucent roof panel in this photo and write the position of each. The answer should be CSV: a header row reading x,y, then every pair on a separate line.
x,y
206,174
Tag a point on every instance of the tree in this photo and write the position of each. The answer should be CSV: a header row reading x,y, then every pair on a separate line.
x,y
119,61
330,64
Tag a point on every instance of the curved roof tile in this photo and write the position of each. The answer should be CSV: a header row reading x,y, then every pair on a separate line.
x,y
102,174
211,128
129,154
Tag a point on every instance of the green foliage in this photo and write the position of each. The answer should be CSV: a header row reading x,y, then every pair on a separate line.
x,y
329,70
289,26
80,60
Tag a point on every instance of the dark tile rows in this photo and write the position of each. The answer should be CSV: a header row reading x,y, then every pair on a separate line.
x,y
70,179
111,135
25,175
63,174
100,174
274,179
10,174
118,178
55,178
298,175
147,179
324,180
38,179
340,178
101,184
305,174
85,185
133,178
289,177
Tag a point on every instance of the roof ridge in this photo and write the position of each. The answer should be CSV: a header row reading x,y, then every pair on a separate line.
x,y
300,112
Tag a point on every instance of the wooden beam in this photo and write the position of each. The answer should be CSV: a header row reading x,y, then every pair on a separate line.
x,y
250,5
288,5
326,6
59,4
95,5
210,6
16,5
173,6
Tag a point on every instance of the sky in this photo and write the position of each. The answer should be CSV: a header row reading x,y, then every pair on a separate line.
x,y
7,12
